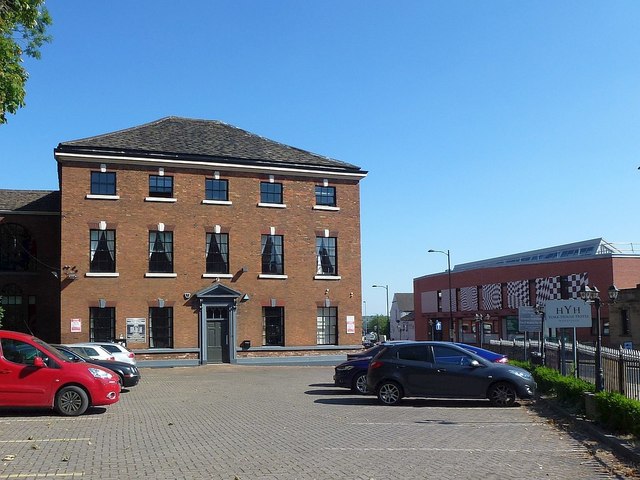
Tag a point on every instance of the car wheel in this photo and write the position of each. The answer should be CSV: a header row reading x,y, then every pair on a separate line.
x,y
389,393
502,395
360,384
71,401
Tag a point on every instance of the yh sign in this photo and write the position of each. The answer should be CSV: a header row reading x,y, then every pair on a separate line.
x,y
567,314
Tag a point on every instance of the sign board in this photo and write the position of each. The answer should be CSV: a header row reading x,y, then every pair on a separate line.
x,y
627,345
529,320
351,324
567,314
136,330
76,325
438,326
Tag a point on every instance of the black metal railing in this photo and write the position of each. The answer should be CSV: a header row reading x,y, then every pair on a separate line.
x,y
621,367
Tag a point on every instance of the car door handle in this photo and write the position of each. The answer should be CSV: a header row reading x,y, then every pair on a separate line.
x,y
441,370
5,371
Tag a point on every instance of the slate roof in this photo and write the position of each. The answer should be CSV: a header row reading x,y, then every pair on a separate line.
x,y
201,140
30,201
405,301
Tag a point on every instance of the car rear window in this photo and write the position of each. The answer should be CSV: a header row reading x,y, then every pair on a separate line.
x,y
111,348
416,353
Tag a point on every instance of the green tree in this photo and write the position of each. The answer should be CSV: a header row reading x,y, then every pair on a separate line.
x,y
23,27
379,324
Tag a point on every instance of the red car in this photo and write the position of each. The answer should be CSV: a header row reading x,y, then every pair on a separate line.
x,y
34,374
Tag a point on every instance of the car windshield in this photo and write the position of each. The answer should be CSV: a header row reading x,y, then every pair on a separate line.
x,y
50,349
71,355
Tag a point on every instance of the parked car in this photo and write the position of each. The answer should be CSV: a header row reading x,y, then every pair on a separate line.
x,y
372,351
484,353
120,352
34,374
444,370
94,352
352,374
128,374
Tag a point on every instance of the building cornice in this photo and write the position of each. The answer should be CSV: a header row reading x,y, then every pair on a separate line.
x,y
255,168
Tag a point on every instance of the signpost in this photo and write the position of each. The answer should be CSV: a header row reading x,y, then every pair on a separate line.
x,y
528,321
568,314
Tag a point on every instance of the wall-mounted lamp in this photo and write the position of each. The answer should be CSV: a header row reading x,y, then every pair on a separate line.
x,y
102,303
244,298
161,303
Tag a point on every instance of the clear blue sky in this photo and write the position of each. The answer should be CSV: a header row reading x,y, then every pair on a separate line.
x,y
488,128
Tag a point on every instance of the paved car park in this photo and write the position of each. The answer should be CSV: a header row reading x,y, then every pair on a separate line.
x,y
285,422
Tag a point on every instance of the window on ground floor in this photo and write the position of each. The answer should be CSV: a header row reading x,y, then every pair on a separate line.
x,y
15,309
102,326
327,326
273,326
161,327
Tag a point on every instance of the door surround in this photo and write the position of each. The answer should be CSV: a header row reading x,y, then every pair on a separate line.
x,y
218,296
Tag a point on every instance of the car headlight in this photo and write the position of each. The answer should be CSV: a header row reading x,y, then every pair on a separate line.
x,y
521,373
96,372
345,368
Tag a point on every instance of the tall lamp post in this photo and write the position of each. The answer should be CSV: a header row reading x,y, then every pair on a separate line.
x,y
539,309
364,305
480,319
448,254
592,295
386,287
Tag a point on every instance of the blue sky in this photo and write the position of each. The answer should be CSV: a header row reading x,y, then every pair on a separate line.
x,y
488,128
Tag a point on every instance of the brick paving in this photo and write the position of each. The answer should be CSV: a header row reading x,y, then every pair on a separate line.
x,y
286,422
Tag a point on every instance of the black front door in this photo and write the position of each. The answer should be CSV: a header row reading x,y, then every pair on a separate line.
x,y
217,320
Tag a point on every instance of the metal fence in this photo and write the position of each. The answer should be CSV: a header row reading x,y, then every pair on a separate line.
x,y
621,368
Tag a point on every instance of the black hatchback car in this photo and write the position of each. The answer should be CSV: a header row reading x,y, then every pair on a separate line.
x,y
444,370
128,374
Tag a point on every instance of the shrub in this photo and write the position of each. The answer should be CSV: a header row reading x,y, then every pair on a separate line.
x,y
615,411
618,412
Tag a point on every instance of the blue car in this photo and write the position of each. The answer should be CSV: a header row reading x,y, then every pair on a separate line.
x,y
486,354
353,374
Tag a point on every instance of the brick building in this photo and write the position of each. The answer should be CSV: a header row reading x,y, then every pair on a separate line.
x,y
29,261
198,242
624,325
485,295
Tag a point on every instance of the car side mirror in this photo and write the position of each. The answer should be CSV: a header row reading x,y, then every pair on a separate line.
x,y
38,362
475,363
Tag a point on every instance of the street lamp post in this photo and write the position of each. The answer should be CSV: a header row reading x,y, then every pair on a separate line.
x,y
539,309
448,254
364,304
592,295
386,287
480,319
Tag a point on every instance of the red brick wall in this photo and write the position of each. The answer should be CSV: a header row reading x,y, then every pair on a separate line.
x,y
603,272
132,218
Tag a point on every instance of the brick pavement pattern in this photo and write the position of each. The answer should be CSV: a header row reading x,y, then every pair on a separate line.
x,y
284,422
